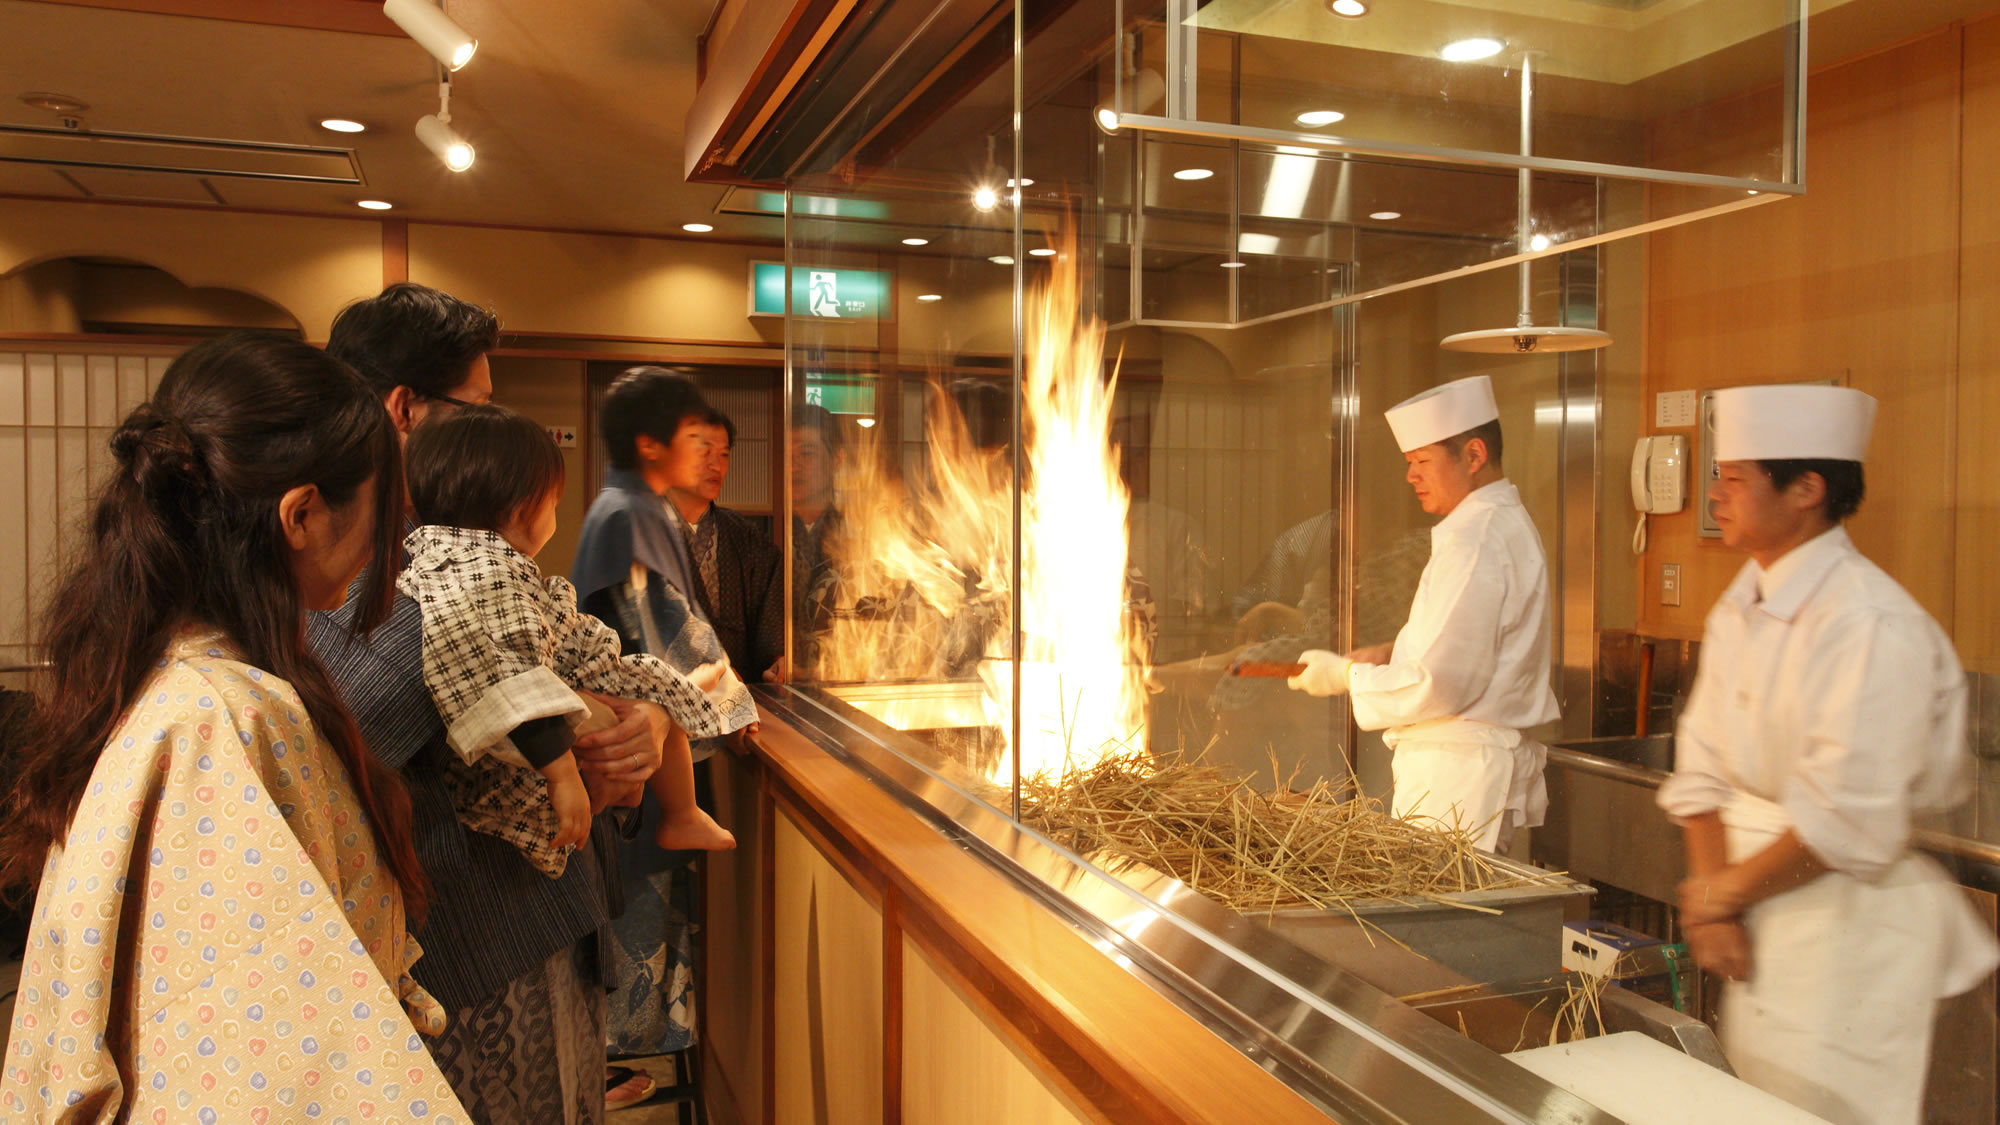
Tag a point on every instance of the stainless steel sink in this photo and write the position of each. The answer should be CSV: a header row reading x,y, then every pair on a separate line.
x,y
1653,752
1603,823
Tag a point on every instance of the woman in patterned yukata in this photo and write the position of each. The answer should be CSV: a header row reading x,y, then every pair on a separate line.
x,y
220,932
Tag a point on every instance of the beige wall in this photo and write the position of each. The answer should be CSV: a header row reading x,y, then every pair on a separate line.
x,y
553,392
1858,280
549,283
41,298
307,266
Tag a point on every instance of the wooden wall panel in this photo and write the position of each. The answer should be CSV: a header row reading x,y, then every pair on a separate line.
x,y
1977,620
958,1070
1856,280
828,989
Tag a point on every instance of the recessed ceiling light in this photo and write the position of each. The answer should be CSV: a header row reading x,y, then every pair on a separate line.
x,y
865,423
930,296
1314,118
1352,9
1234,265
1001,260
916,242
343,125
373,204
696,228
1043,252
1021,183
55,103
1194,173
985,199
1384,216
1540,242
1469,50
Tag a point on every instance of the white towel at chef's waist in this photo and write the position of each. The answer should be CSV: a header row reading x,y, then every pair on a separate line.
x,y
1465,731
1951,949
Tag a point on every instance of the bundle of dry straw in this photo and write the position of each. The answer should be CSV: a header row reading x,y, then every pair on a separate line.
x,y
1254,851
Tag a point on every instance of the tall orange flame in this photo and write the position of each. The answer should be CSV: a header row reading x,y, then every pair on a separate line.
x,y
924,566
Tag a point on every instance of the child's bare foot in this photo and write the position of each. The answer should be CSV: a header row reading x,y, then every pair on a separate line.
x,y
695,832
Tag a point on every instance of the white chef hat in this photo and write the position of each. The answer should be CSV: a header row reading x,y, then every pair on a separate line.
x,y
1441,412
1792,422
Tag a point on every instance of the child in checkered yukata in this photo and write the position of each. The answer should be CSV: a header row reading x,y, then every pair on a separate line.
x,y
506,651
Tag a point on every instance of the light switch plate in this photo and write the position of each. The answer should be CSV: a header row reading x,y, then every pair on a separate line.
x,y
1673,409
1670,584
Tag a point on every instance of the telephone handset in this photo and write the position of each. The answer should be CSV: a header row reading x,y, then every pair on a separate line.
x,y
1659,474
1659,480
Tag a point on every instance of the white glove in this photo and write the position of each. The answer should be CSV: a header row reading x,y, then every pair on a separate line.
x,y
1325,674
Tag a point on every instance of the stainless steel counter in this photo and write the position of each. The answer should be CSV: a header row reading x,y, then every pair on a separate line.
x,y
1625,838
1345,1044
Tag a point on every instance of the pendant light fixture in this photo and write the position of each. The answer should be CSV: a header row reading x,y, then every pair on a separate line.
x,y
1526,336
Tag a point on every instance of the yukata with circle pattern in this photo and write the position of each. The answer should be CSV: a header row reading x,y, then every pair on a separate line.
x,y
217,939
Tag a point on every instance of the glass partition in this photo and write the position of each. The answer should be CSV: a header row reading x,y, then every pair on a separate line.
x,y
1086,421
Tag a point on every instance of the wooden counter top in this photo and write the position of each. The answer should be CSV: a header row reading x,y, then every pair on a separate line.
x,y
1116,1049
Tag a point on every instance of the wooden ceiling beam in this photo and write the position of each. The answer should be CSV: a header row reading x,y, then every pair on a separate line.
x,y
359,17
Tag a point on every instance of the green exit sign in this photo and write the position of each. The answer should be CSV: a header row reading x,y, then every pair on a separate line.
x,y
830,294
840,396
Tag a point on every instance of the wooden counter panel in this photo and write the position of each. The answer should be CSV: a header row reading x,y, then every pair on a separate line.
x,y
827,988
732,977
1072,1016
960,1070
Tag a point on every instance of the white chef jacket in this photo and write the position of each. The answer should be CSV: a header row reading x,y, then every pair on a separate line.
x,y
1827,702
1472,663
1825,688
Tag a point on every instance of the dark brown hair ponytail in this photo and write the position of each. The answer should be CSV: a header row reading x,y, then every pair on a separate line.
x,y
188,532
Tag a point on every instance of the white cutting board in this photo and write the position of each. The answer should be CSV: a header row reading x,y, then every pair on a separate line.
x,y
1645,1082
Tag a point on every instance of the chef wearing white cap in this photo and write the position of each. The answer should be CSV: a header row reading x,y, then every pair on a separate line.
x,y
1470,670
1828,714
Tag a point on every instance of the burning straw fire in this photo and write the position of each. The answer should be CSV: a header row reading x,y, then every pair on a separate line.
x,y
924,567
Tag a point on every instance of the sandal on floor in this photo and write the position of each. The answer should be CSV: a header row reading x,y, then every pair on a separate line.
x,y
616,1077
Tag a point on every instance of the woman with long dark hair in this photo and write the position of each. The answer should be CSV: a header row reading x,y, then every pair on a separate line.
x,y
220,929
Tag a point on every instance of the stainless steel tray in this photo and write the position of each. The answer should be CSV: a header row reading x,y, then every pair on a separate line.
x,y
1522,942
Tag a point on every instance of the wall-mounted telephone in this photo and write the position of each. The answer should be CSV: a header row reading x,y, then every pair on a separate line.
x,y
1659,480
1659,474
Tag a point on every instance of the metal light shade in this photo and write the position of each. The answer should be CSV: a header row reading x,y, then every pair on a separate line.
x,y
1526,339
425,22
443,140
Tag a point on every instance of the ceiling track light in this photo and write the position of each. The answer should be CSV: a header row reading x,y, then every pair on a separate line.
x,y
434,31
1139,91
434,129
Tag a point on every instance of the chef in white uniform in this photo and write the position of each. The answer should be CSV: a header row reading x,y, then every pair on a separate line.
x,y
1470,670
1828,714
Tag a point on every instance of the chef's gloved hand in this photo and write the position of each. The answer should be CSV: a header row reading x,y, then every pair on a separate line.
x,y
1325,674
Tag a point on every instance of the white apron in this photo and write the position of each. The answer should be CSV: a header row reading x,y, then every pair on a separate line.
x,y
1845,977
1491,787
